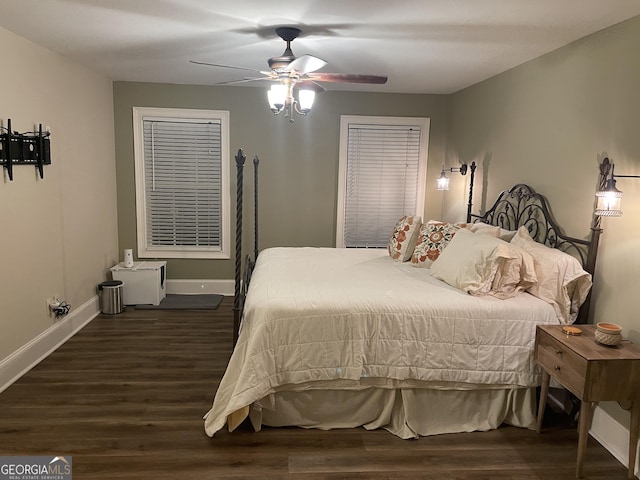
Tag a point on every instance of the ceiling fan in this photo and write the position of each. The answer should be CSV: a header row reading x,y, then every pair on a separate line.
x,y
299,72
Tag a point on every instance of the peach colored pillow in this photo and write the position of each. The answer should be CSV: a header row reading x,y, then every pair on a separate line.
x,y
562,282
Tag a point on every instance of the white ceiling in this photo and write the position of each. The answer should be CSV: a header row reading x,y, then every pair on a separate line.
x,y
424,46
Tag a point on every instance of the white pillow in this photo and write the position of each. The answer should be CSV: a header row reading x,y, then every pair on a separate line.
x,y
484,229
562,282
493,230
484,265
403,238
506,235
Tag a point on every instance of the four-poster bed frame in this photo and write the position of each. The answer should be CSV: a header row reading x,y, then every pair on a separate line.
x,y
327,326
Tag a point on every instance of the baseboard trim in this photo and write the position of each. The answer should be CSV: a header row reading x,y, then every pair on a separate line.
x,y
613,436
193,287
29,355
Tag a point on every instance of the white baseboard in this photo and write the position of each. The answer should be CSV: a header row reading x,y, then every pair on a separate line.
x,y
29,355
192,287
612,436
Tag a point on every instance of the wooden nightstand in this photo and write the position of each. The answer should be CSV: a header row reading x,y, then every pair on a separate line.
x,y
593,373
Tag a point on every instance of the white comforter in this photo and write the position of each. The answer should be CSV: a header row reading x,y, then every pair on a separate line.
x,y
317,315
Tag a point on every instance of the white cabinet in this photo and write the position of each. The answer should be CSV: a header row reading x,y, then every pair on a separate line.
x,y
144,283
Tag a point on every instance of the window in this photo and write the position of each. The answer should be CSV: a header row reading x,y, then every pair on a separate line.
x,y
382,176
182,183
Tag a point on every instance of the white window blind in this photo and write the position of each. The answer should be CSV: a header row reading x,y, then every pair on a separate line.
x,y
383,180
183,183
183,188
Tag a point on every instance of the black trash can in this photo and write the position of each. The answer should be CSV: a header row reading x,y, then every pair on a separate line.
x,y
111,297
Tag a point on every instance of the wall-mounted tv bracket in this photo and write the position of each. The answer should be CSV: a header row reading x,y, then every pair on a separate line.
x,y
29,148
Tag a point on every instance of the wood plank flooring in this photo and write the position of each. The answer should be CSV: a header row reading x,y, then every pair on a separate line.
x,y
126,395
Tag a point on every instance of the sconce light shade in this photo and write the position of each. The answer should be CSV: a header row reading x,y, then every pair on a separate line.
x,y
443,181
609,200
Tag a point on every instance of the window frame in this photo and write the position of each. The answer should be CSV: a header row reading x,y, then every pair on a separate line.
x,y
345,122
177,115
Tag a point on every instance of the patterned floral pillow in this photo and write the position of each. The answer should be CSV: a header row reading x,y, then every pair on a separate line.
x,y
403,238
432,239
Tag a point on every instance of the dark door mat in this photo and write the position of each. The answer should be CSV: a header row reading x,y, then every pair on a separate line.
x,y
185,302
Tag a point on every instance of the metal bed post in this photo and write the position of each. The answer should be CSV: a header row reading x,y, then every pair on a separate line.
x,y
256,161
240,159
594,242
590,266
470,204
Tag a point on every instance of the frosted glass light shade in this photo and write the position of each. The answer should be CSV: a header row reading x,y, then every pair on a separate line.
x,y
277,95
306,98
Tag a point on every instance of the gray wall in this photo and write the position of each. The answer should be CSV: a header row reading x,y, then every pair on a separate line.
x,y
299,162
548,123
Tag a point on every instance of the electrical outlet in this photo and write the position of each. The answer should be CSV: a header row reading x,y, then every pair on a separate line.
x,y
52,303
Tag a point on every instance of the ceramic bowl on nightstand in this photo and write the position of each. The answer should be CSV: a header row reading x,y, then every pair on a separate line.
x,y
608,333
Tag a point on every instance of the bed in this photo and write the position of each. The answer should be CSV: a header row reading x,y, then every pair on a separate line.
x,y
341,338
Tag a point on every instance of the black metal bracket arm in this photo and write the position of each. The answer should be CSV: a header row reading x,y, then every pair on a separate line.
x,y
30,148
606,170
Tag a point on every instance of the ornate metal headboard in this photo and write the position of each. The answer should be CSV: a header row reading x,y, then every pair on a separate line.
x,y
522,206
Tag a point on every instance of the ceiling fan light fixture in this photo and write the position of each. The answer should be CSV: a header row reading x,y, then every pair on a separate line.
x,y
281,99
289,72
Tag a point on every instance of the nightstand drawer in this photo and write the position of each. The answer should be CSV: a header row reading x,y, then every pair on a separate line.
x,y
569,368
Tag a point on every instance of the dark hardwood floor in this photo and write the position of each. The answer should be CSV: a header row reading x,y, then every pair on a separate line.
x,y
126,395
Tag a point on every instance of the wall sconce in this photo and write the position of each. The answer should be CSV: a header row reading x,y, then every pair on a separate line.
x,y
609,198
443,180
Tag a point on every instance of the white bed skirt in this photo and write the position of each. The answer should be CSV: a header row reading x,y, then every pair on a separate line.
x,y
407,413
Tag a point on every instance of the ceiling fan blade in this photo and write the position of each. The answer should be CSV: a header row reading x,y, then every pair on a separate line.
x,y
346,77
244,80
230,66
310,85
306,64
